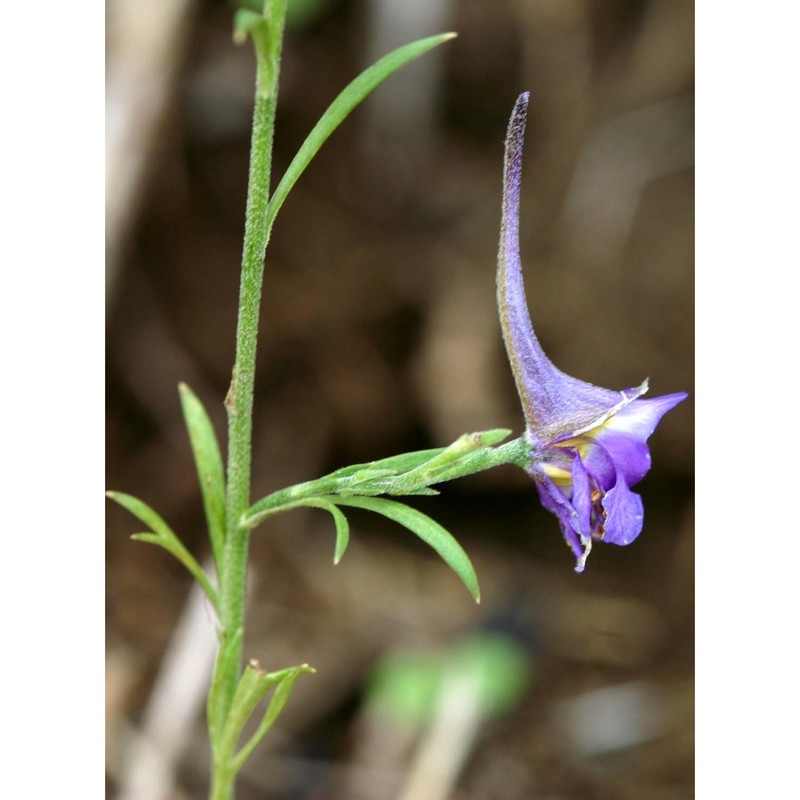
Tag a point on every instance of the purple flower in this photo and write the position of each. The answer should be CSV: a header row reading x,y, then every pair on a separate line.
x,y
588,444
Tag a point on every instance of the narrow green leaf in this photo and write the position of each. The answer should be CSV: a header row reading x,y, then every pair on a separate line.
x,y
393,465
341,107
227,653
342,526
411,473
276,705
165,537
367,484
210,469
143,513
466,444
368,474
428,530
466,456
253,686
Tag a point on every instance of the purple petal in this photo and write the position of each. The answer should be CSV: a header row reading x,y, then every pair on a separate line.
x,y
624,438
599,463
554,501
554,403
625,514
641,417
581,497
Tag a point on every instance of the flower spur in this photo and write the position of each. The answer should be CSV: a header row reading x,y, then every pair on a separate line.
x,y
588,445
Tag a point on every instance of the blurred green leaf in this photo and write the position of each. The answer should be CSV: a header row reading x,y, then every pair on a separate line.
x,y
165,537
490,438
427,529
263,24
341,107
407,685
245,22
303,12
210,469
500,668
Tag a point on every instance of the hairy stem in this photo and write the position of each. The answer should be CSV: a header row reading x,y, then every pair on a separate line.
x,y
267,38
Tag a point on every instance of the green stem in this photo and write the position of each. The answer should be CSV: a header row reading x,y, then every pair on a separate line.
x,y
222,780
239,401
267,38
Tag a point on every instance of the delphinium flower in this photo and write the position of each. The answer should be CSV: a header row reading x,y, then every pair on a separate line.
x,y
588,445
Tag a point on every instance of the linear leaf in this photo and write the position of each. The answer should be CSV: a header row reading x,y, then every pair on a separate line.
x,y
276,705
393,465
253,686
341,107
428,530
143,513
450,458
210,469
342,526
165,537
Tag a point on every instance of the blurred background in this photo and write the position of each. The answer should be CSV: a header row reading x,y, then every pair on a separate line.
x,y
380,335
